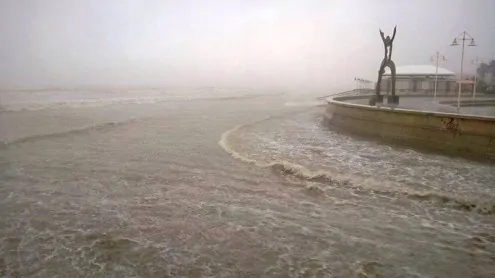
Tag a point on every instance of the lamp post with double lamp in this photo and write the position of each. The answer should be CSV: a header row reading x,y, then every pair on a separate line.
x,y
475,62
357,83
464,36
360,84
437,58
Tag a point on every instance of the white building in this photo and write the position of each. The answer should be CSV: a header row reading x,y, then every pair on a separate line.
x,y
420,79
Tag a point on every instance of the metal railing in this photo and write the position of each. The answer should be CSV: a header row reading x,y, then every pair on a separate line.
x,y
353,92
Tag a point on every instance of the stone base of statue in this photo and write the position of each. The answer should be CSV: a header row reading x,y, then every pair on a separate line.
x,y
372,101
394,100
375,100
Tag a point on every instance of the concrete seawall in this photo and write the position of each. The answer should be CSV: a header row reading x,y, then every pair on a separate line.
x,y
448,133
471,103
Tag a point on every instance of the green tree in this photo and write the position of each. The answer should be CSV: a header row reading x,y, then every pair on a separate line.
x,y
486,76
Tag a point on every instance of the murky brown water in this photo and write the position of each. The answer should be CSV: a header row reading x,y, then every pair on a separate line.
x,y
230,187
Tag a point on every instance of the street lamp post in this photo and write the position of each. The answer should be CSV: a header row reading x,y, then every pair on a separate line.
x,y
360,84
437,58
464,36
476,62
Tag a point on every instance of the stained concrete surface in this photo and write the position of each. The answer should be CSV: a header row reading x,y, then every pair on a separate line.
x,y
427,104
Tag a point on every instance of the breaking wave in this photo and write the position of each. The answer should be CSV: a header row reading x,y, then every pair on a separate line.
x,y
38,106
382,187
65,132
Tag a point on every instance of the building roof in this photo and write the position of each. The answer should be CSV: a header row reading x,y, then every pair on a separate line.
x,y
419,70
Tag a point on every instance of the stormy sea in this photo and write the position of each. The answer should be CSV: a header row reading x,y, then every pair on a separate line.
x,y
226,183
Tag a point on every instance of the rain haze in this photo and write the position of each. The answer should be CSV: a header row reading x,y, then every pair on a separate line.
x,y
247,138
311,44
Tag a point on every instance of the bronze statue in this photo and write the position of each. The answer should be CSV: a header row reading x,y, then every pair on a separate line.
x,y
387,43
386,62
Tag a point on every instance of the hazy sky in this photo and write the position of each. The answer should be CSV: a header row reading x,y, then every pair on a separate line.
x,y
313,44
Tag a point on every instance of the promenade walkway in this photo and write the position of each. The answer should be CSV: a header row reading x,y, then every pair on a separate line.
x,y
427,104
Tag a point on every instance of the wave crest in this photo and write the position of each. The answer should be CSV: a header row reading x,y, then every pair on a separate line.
x,y
381,187
65,132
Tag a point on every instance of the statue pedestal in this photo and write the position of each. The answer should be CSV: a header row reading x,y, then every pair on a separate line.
x,y
376,100
394,100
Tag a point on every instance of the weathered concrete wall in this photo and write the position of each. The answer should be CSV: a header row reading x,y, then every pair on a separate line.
x,y
471,103
471,136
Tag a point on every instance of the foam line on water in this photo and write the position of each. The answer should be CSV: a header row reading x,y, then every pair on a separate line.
x,y
37,106
65,132
301,172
